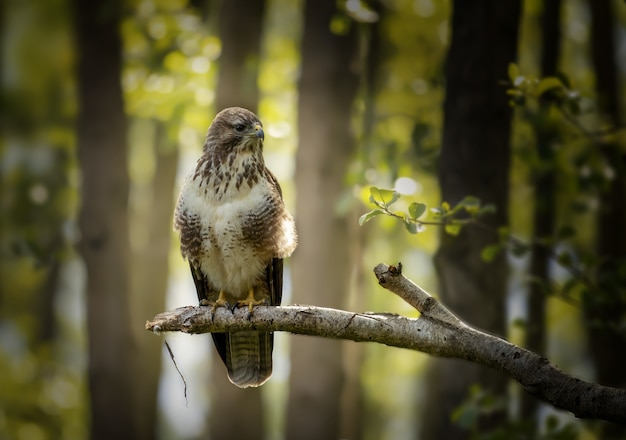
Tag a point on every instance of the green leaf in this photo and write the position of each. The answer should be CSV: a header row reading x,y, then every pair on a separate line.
x,y
490,252
513,71
547,84
385,197
416,210
489,208
368,216
472,206
394,198
411,227
470,201
453,228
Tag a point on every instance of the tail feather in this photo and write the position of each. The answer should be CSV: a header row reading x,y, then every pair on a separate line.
x,y
248,357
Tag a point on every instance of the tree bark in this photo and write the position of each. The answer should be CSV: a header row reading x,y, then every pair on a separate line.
x,y
604,309
437,331
240,29
322,262
545,195
474,161
103,218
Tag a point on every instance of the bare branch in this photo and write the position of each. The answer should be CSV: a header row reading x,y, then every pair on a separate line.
x,y
437,332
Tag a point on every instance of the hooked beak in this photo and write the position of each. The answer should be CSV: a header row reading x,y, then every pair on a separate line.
x,y
258,130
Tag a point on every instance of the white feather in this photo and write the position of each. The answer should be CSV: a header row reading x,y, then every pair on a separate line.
x,y
231,265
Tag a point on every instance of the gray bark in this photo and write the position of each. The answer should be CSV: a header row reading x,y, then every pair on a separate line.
x,y
437,331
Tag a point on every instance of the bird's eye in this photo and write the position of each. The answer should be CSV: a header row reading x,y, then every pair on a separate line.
x,y
240,127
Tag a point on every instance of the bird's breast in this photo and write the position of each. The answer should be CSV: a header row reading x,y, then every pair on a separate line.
x,y
235,247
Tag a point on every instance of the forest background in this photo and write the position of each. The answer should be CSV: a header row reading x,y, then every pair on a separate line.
x,y
105,106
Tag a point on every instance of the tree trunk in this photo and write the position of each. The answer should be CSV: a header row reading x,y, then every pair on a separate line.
x,y
359,417
150,264
240,27
103,218
322,263
605,310
544,214
474,161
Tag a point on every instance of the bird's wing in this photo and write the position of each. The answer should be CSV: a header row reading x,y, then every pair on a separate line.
x,y
206,291
204,288
274,281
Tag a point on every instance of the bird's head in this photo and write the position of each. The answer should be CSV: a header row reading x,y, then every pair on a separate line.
x,y
235,130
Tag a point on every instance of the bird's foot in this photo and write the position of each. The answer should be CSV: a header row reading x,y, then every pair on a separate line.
x,y
250,301
220,302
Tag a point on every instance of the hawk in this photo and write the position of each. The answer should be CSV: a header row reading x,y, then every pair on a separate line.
x,y
235,232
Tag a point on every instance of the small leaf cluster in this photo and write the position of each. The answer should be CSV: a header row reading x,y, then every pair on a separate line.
x,y
452,218
554,89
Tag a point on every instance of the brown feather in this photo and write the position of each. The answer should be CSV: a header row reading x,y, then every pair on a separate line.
x,y
235,231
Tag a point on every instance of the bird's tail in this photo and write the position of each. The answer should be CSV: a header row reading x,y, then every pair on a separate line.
x,y
248,357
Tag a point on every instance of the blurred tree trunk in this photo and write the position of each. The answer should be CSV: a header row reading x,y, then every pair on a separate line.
x,y
149,278
357,416
240,28
103,218
545,193
475,160
322,264
605,309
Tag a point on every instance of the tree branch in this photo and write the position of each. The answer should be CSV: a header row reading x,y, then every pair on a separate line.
x,y
437,332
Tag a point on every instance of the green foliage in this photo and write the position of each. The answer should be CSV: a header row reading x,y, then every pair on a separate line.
x,y
452,219
169,67
553,89
481,403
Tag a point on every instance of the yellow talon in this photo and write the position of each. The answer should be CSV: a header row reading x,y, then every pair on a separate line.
x,y
219,302
250,301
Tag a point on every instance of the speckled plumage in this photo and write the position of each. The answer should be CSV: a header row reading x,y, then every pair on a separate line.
x,y
235,231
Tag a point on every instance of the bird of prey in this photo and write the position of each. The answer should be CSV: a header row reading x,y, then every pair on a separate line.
x,y
235,232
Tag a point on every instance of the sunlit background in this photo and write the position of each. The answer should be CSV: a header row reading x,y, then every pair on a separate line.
x,y
171,59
